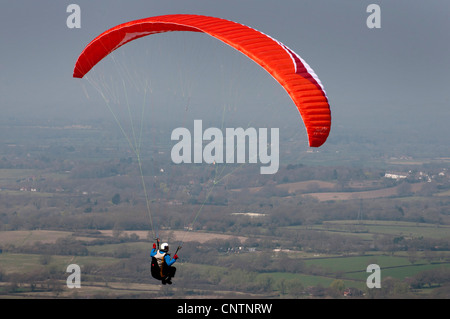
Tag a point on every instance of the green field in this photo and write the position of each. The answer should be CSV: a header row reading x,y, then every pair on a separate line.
x,y
366,229
320,270
355,267
26,263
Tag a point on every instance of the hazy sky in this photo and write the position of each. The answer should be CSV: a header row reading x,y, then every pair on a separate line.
x,y
374,78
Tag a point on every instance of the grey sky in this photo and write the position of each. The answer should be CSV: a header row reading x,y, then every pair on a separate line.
x,y
375,78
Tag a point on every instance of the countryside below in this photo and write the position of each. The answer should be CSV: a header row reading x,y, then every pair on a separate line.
x,y
72,193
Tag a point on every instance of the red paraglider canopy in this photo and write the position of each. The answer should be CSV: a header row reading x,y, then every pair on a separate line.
x,y
288,68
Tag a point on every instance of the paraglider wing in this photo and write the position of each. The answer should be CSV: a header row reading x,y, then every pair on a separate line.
x,y
288,68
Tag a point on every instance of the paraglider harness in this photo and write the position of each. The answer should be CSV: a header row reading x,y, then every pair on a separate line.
x,y
159,270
